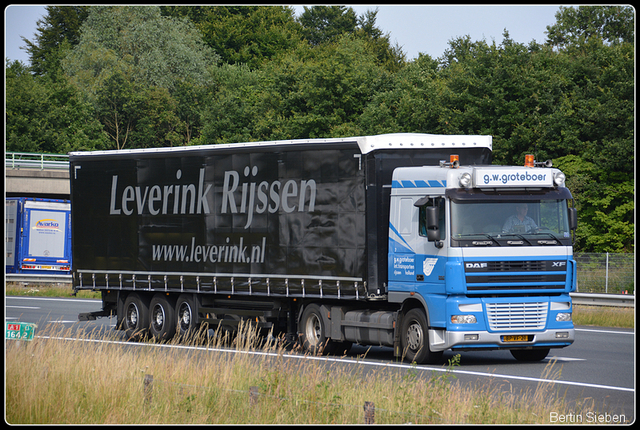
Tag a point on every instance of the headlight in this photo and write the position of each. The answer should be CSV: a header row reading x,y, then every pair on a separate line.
x,y
563,316
465,180
463,319
559,178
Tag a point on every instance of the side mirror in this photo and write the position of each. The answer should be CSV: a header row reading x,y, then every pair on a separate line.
x,y
433,229
573,218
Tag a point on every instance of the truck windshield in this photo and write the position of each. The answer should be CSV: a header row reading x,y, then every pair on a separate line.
x,y
503,223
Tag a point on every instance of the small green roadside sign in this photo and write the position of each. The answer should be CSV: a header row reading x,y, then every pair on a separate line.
x,y
20,330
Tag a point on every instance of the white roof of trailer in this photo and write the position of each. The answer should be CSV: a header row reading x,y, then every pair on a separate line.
x,y
366,143
421,140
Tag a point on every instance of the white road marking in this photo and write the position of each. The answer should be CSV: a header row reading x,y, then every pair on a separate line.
x,y
565,359
604,331
23,307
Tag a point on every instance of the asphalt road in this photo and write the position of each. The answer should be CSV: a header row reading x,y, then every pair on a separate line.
x,y
600,365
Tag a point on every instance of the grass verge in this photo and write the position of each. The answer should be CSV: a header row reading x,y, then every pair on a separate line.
x,y
604,316
57,381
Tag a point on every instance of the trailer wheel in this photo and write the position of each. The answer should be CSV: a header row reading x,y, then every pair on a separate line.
x,y
162,323
415,338
530,354
185,313
136,316
314,333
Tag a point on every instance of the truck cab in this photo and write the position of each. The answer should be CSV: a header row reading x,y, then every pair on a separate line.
x,y
486,251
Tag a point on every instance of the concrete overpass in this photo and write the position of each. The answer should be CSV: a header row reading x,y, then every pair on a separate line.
x,y
37,175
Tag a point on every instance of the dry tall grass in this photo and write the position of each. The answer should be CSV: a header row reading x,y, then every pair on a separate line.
x,y
57,381
604,316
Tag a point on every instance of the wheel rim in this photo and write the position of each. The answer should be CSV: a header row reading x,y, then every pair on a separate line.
x,y
414,336
313,329
185,317
158,318
132,315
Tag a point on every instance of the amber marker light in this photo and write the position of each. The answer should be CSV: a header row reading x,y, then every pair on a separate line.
x,y
528,160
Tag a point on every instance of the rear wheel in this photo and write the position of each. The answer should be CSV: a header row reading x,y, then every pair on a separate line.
x,y
162,324
136,316
530,354
415,338
185,313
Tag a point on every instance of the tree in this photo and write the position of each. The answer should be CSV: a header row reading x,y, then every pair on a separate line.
x,y
149,48
575,27
34,125
130,56
231,112
605,204
251,35
323,24
60,25
390,57
311,92
410,104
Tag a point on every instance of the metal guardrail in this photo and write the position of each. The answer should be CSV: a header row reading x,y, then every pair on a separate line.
x,y
593,299
30,160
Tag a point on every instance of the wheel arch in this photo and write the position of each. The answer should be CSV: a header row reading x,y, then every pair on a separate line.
x,y
413,302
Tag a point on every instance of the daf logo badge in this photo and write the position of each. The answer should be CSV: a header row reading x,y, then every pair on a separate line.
x,y
475,265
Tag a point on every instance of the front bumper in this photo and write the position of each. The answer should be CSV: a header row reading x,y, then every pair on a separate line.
x,y
441,340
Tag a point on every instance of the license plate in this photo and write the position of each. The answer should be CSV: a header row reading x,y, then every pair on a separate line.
x,y
516,338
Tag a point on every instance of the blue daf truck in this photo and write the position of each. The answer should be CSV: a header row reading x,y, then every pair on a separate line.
x,y
411,241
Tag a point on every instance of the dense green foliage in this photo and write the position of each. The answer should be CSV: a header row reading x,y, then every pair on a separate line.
x,y
135,77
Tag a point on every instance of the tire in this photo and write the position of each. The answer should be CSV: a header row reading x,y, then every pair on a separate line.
x,y
162,320
530,354
186,317
415,338
136,317
314,333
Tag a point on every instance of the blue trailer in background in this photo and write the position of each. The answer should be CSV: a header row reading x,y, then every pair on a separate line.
x,y
38,235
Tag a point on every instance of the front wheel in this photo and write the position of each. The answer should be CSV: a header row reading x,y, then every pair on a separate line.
x,y
415,338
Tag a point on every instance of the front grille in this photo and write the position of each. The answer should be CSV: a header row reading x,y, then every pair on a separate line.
x,y
516,266
510,275
517,316
558,279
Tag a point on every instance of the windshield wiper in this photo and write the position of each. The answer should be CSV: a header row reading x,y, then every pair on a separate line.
x,y
480,243
556,239
517,235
